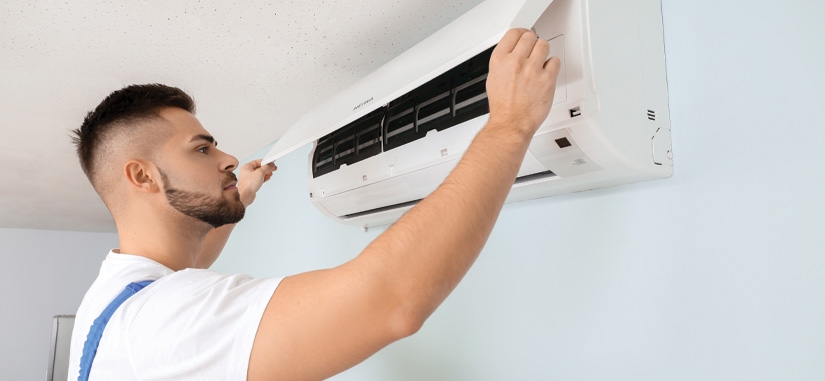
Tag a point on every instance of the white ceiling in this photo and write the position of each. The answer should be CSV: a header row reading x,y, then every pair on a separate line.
x,y
253,68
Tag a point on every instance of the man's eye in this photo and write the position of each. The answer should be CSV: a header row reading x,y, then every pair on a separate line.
x,y
203,149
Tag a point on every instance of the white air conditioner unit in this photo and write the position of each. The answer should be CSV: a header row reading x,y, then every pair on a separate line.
x,y
389,140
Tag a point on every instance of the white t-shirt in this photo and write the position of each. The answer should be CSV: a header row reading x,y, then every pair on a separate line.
x,y
188,325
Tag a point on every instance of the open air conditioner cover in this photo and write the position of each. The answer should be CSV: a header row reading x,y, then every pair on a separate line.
x,y
412,68
390,139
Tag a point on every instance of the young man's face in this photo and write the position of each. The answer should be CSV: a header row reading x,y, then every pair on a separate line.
x,y
197,177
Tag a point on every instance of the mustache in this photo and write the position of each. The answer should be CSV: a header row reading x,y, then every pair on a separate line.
x,y
230,178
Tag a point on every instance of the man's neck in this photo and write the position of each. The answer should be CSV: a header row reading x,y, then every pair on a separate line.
x,y
175,244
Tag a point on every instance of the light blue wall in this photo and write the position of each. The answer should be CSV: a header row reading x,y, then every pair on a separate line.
x,y
717,273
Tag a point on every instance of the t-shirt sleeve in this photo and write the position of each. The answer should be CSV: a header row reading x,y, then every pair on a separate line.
x,y
198,325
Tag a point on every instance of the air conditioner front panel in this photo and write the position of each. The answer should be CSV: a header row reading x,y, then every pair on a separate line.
x,y
609,124
411,186
396,176
436,147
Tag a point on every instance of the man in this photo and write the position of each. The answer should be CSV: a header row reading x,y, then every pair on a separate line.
x,y
174,199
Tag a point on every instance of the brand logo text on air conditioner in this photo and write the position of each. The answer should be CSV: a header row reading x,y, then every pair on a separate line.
x,y
362,104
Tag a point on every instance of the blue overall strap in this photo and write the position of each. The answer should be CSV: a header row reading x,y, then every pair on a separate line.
x,y
96,332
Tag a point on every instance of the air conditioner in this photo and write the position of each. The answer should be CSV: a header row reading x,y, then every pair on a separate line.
x,y
390,139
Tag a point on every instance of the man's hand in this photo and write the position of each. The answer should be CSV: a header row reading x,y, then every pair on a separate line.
x,y
251,177
522,81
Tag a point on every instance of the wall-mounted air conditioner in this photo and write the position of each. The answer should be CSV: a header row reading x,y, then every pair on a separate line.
x,y
389,140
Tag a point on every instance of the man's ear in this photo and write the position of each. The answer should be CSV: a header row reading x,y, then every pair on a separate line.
x,y
142,176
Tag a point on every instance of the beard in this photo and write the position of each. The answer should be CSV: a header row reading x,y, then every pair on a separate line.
x,y
215,211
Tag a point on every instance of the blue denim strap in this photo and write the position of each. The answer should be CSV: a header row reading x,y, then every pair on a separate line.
x,y
96,332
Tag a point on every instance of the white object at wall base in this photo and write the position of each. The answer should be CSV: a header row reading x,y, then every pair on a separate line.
x,y
58,366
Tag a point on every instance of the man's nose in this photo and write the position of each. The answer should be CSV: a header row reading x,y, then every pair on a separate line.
x,y
230,162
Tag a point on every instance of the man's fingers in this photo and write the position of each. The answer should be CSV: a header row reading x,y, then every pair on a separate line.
x,y
509,41
270,167
540,51
262,172
253,165
525,44
553,64
267,170
521,83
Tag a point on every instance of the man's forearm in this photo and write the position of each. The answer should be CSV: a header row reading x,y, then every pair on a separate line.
x,y
427,252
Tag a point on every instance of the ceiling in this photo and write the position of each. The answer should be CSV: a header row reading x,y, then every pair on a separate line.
x,y
253,67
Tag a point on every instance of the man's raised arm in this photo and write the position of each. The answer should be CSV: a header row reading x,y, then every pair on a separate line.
x,y
320,323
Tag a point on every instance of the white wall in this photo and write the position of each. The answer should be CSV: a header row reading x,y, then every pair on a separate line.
x,y
44,273
717,273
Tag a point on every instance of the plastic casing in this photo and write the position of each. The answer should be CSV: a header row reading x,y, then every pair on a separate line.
x,y
611,105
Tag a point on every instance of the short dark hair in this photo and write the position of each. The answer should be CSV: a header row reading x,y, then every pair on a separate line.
x,y
129,104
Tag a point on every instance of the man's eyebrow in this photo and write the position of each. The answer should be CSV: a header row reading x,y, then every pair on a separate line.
x,y
208,138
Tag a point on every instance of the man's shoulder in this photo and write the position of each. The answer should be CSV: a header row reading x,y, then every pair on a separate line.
x,y
190,286
178,313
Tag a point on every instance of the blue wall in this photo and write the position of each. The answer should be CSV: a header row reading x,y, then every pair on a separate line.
x,y
716,273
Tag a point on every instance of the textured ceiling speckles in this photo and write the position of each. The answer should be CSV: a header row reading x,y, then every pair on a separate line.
x,y
253,68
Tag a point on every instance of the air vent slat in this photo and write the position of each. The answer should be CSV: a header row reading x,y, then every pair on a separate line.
x,y
450,99
399,130
400,122
435,113
344,146
367,136
434,116
323,157
471,101
352,143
